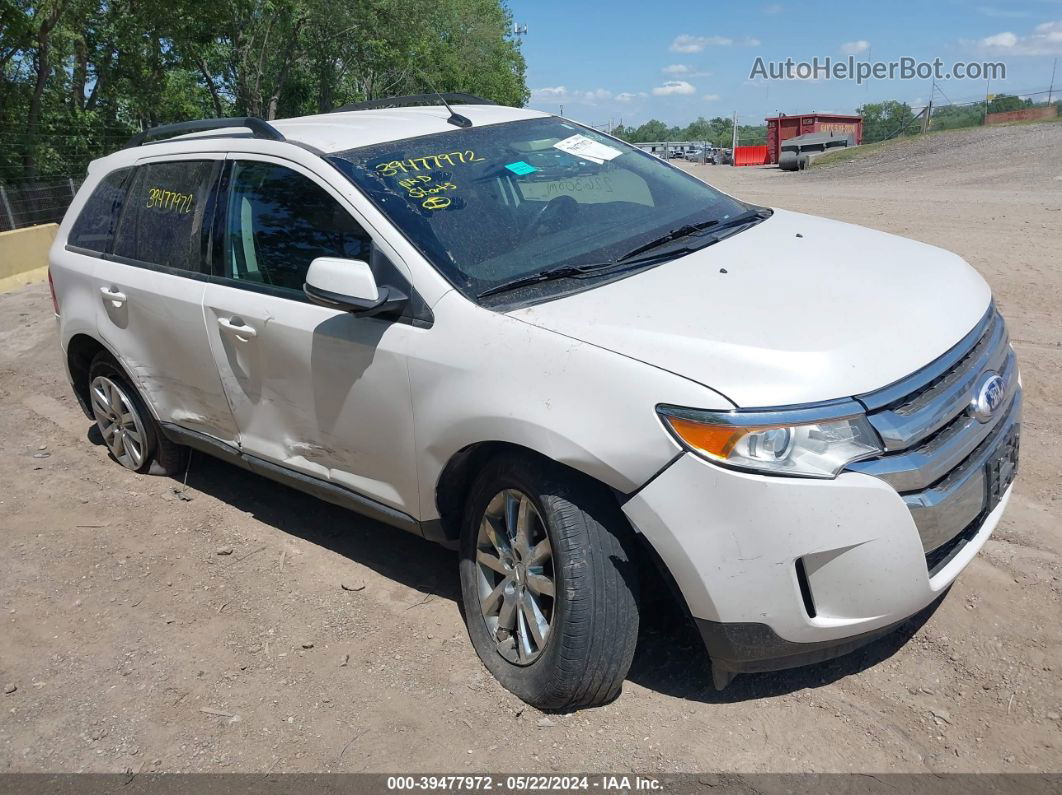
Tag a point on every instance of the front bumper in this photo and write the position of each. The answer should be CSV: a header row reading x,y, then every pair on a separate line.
x,y
779,572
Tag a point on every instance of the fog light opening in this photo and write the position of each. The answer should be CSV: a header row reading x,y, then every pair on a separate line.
x,y
805,588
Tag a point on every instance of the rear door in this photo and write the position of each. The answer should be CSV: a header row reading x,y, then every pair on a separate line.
x,y
316,390
150,292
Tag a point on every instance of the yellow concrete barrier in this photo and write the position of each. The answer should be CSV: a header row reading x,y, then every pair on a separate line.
x,y
24,255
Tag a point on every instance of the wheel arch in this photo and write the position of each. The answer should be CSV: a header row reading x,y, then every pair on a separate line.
x,y
457,475
80,351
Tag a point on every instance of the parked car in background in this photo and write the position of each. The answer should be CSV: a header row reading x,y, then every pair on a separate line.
x,y
507,333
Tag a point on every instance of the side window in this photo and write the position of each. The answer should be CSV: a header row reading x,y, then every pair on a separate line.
x,y
278,222
95,226
163,219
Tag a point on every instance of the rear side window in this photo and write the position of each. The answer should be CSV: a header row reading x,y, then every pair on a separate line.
x,y
279,222
163,219
95,226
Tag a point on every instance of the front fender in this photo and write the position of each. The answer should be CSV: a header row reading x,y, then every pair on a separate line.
x,y
481,376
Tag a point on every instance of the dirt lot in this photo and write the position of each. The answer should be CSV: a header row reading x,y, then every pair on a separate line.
x,y
325,642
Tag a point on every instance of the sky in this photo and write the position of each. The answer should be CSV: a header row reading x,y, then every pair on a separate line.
x,y
632,61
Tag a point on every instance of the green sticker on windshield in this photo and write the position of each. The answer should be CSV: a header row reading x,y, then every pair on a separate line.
x,y
520,168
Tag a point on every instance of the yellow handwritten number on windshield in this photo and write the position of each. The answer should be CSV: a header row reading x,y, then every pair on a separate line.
x,y
436,203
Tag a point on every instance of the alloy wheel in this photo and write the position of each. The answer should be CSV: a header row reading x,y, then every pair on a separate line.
x,y
515,576
119,422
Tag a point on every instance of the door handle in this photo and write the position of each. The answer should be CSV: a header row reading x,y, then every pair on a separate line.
x,y
113,294
236,326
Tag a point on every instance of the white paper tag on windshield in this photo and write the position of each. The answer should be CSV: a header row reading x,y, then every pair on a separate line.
x,y
581,146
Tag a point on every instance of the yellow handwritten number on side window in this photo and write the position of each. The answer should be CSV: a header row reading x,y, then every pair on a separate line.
x,y
170,201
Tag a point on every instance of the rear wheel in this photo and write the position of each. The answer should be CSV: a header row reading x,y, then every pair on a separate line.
x,y
549,590
128,429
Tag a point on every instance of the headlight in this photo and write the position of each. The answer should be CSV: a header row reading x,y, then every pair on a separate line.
x,y
815,442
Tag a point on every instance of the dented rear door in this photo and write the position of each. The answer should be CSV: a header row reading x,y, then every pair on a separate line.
x,y
149,292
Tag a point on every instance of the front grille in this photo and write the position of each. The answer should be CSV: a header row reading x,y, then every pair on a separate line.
x,y
943,461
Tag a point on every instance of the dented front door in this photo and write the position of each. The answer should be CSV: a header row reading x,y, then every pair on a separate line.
x,y
313,389
318,391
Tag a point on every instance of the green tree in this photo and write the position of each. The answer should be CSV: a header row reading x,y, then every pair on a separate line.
x,y
1002,103
887,119
80,76
652,130
951,117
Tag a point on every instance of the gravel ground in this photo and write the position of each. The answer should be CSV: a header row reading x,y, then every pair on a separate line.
x,y
234,625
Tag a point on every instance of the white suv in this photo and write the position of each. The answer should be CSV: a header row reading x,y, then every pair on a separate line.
x,y
513,335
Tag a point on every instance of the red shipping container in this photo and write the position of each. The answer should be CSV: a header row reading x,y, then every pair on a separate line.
x,y
782,128
750,156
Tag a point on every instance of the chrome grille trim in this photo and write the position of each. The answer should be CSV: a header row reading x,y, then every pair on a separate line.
x,y
924,465
948,508
943,398
937,453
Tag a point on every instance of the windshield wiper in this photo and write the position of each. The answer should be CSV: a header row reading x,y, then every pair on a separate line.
x,y
550,274
689,230
631,258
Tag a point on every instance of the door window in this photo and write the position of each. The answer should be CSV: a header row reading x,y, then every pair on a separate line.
x,y
163,220
95,225
278,222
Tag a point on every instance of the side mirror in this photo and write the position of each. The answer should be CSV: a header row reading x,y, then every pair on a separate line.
x,y
349,284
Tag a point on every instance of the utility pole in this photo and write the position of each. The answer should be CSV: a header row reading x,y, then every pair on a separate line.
x,y
562,110
929,107
1051,90
734,142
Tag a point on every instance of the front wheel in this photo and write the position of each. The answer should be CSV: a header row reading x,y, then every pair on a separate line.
x,y
549,589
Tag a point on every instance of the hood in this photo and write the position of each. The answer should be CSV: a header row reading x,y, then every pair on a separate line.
x,y
797,309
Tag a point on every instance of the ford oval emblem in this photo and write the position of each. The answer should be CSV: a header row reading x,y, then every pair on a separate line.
x,y
989,396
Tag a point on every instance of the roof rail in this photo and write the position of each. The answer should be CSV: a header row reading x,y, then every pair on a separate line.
x,y
258,128
414,100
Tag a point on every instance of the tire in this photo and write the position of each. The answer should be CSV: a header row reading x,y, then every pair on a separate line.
x,y
139,445
592,617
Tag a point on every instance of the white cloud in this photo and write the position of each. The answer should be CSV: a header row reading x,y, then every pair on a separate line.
x,y
710,97
674,87
684,70
855,47
628,96
1006,39
550,93
563,94
773,8
1045,39
688,44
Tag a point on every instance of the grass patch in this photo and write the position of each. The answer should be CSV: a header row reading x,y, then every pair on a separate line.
x,y
848,154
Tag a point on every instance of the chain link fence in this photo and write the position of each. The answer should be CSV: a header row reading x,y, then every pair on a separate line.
x,y
33,201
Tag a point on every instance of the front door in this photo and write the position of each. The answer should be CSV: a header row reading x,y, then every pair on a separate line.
x,y
315,390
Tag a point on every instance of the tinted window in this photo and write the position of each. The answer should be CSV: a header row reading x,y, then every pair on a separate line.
x,y
163,220
279,222
94,228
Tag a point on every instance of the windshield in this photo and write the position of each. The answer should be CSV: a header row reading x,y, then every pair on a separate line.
x,y
490,205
